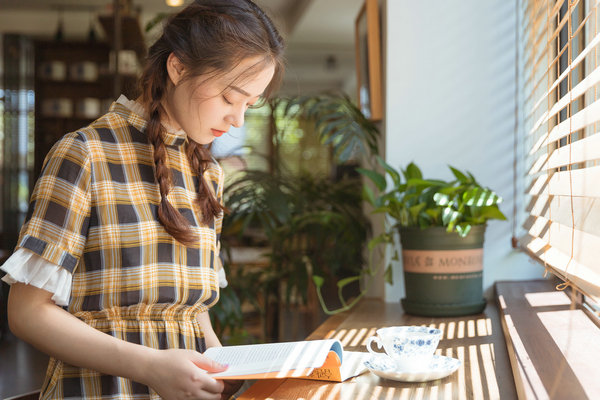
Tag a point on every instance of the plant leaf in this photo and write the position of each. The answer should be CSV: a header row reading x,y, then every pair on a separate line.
x,y
480,197
390,170
412,172
450,216
442,199
491,212
369,195
382,238
318,280
415,210
463,229
459,175
388,275
375,177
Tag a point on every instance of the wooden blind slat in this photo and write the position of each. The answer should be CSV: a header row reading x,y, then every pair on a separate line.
x,y
579,182
587,116
591,45
580,151
583,214
586,84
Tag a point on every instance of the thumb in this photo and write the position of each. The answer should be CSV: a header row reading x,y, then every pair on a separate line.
x,y
208,364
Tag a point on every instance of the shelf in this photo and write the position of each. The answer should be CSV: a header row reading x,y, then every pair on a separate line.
x,y
131,33
49,128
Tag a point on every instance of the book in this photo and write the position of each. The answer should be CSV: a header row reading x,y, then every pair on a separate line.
x,y
312,359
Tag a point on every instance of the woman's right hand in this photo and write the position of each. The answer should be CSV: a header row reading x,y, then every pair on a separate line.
x,y
182,374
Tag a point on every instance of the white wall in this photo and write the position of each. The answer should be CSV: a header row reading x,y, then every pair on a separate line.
x,y
450,99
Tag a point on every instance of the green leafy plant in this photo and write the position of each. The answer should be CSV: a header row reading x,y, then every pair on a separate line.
x,y
457,204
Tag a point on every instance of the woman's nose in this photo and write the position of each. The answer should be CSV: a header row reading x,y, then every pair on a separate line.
x,y
237,118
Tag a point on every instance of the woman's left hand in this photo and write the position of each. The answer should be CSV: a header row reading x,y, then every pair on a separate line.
x,y
231,387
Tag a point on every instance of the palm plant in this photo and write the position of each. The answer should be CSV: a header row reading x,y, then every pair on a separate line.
x,y
312,224
338,122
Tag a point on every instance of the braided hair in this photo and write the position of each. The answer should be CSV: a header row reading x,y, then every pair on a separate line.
x,y
209,37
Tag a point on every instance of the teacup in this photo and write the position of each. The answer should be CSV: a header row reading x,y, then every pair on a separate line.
x,y
411,347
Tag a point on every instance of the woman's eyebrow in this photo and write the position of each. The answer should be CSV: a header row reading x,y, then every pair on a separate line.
x,y
242,91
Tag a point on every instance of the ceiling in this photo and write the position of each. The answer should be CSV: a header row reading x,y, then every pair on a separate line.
x,y
303,20
319,33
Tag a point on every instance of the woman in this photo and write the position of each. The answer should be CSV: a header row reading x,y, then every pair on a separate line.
x,y
117,263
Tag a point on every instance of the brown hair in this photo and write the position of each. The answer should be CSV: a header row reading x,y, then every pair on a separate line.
x,y
210,36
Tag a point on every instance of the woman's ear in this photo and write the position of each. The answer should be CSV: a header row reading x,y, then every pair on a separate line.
x,y
175,69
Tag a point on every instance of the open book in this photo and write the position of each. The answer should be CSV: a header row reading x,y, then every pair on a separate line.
x,y
312,359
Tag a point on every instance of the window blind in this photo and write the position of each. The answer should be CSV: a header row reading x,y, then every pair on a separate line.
x,y
560,42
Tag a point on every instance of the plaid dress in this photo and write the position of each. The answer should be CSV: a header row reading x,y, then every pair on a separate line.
x,y
94,213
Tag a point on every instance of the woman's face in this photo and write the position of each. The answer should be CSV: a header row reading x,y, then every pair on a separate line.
x,y
206,108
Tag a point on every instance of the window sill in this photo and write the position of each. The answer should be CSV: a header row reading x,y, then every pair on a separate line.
x,y
552,347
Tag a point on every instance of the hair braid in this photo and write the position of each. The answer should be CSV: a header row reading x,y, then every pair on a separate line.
x,y
200,158
172,220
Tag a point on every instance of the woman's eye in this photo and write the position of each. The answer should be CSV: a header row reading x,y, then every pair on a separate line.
x,y
256,103
226,101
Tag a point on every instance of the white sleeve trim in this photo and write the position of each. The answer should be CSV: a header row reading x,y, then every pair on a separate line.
x,y
27,267
222,278
220,270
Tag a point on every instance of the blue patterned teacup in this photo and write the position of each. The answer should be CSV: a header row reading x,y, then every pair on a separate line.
x,y
411,347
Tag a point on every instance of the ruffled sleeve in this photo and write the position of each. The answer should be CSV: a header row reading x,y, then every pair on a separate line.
x,y
219,267
27,267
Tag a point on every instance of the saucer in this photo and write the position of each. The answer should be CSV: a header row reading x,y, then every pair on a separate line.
x,y
384,367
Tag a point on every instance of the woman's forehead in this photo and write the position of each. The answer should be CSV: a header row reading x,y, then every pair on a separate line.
x,y
250,78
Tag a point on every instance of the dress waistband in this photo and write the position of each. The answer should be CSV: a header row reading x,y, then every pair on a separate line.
x,y
144,312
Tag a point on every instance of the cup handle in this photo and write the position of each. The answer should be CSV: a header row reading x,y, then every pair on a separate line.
x,y
377,341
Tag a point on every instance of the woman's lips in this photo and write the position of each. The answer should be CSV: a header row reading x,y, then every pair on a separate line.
x,y
217,132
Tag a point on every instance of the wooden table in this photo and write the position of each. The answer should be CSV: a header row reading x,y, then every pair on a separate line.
x,y
476,340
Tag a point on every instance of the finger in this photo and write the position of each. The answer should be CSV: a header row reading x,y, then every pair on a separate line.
x,y
207,364
213,386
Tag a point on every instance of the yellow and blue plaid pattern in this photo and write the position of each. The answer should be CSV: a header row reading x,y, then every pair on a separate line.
x,y
94,211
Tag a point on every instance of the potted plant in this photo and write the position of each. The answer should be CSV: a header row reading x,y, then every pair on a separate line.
x,y
441,225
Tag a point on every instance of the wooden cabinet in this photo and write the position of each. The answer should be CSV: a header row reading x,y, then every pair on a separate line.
x,y
73,86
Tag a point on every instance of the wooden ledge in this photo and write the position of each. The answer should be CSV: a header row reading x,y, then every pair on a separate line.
x,y
476,340
553,348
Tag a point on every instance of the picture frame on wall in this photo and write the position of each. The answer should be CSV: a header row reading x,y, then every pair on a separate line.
x,y
368,60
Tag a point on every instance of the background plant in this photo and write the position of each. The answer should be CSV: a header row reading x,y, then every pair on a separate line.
x,y
312,224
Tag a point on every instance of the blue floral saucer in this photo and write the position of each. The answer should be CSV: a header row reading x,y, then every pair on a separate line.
x,y
384,367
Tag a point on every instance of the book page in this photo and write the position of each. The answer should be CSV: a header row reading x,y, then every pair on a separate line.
x,y
273,357
353,365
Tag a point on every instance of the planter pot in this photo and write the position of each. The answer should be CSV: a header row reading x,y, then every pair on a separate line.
x,y
443,272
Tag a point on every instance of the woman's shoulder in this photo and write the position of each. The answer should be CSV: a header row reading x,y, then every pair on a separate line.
x,y
110,129
107,133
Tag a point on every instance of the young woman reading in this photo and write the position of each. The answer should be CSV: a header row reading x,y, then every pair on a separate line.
x,y
117,263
